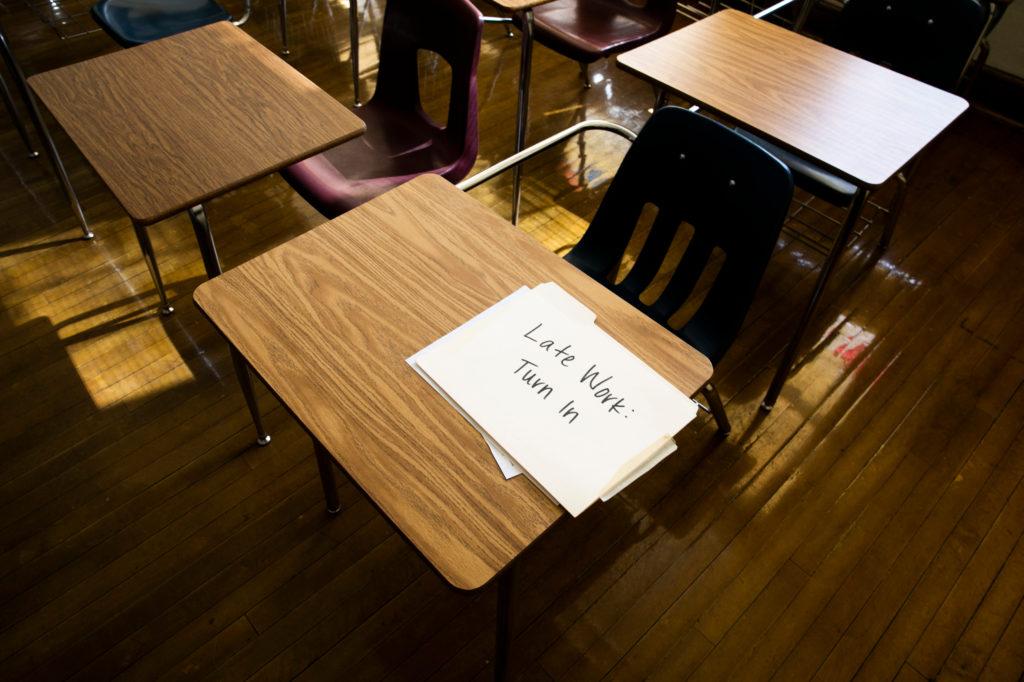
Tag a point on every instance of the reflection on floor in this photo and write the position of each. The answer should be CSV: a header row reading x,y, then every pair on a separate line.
x,y
869,526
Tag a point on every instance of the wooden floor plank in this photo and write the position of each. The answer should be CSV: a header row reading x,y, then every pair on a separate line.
x,y
869,526
989,621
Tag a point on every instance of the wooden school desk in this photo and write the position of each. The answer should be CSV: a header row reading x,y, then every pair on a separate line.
x,y
173,123
859,120
328,319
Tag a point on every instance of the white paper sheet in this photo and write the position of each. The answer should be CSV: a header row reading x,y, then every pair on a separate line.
x,y
553,294
559,396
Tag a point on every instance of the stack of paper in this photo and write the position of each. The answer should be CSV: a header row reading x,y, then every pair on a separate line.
x,y
556,397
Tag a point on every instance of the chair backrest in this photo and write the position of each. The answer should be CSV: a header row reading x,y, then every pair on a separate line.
x,y
662,11
732,193
930,40
451,28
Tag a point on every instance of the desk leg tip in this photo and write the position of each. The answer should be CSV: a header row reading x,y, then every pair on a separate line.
x,y
333,511
33,155
88,236
167,310
767,407
263,440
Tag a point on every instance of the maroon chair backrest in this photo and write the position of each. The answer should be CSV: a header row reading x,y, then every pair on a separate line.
x,y
451,28
662,10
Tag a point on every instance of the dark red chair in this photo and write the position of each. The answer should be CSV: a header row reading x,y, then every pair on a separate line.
x,y
401,140
589,30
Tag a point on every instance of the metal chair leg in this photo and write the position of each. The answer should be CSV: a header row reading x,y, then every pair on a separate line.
x,y
522,111
660,98
146,246
16,117
710,394
204,237
44,135
585,75
805,12
282,9
353,41
325,464
789,355
244,376
503,625
895,207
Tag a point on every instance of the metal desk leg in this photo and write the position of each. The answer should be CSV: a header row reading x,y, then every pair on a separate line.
x,y
146,246
353,40
245,381
660,98
522,111
325,464
204,237
44,134
282,9
503,626
826,271
18,123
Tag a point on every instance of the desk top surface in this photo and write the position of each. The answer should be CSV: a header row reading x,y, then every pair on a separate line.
x,y
329,318
175,122
863,121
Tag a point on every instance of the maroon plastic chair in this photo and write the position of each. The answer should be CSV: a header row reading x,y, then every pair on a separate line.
x,y
401,140
589,30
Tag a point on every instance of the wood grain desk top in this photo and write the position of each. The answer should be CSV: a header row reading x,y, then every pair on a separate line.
x,y
861,120
329,318
175,122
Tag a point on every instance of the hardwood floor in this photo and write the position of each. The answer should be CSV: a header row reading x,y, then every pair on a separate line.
x,y
869,527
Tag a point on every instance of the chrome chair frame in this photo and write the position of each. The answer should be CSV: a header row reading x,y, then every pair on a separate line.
x,y
16,118
37,120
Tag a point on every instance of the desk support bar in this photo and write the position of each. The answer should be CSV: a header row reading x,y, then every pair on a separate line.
x,y
282,11
503,623
789,355
146,246
244,376
523,107
517,159
211,261
325,463
204,237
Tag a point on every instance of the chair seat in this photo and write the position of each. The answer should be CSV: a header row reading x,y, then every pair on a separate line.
x,y
396,148
136,22
808,176
588,30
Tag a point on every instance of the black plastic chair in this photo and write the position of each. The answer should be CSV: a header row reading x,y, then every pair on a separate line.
x,y
930,40
137,22
696,171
